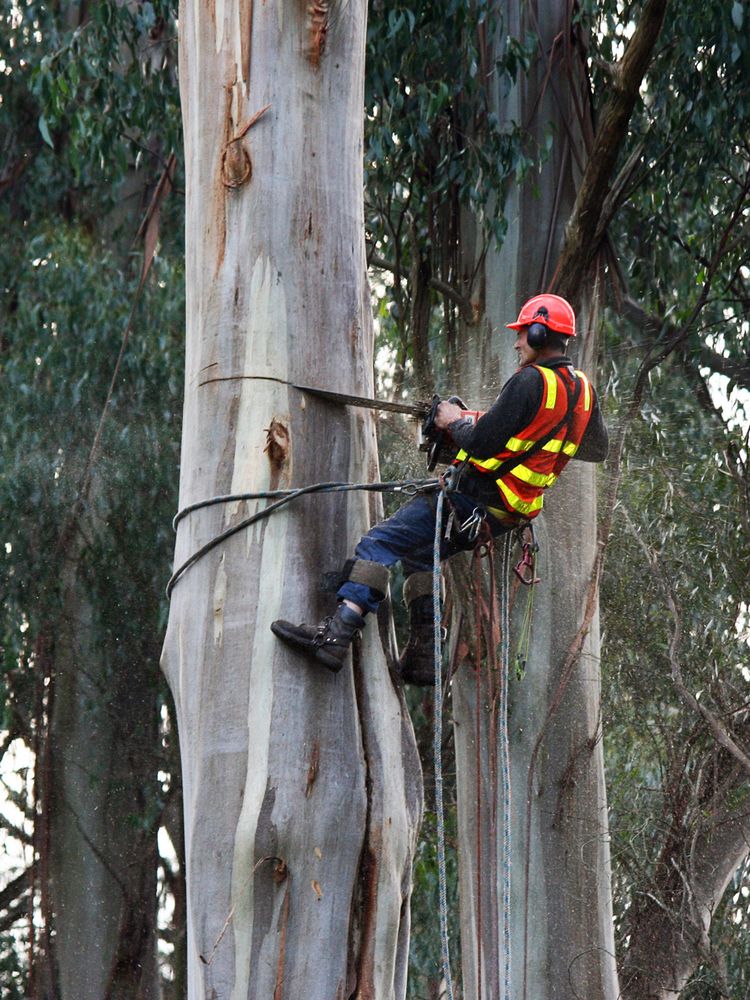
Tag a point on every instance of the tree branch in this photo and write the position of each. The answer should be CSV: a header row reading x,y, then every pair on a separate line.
x,y
15,890
440,286
738,372
580,244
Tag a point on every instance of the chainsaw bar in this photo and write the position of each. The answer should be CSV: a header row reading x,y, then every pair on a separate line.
x,y
413,410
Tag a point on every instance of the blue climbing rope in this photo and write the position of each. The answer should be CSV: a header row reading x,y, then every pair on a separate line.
x,y
503,752
438,740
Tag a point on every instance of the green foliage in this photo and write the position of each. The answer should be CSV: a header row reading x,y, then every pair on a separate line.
x,y
69,303
88,114
434,146
13,971
693,124
61,345
85,100
431,131
677,502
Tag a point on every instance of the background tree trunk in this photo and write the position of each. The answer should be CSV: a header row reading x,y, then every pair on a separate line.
x,y
98,788
561,940
302,789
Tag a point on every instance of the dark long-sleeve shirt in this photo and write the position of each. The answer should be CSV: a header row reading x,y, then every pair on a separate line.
x,y
512,411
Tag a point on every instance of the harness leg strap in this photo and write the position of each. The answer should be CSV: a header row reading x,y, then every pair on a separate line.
x,y
420,585
364,571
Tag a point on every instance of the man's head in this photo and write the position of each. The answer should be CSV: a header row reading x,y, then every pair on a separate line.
x,y
545,324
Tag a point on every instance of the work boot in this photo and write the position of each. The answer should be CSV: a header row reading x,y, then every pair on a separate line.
x,y
417,662
328,642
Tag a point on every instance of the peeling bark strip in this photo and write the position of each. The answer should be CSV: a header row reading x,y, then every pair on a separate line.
x,y
283,924
246,30
369,908
318,13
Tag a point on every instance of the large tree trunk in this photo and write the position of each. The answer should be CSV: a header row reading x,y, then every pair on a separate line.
x,y
302,789
561,929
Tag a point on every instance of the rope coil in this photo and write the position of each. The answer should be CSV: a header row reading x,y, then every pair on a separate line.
x,y
281,498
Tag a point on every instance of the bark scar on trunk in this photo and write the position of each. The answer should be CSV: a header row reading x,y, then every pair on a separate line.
x,y
312,770
369,883
277,444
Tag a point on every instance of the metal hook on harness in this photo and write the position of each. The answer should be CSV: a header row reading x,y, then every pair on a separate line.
x,y
525,568
412,489
473,525
449,479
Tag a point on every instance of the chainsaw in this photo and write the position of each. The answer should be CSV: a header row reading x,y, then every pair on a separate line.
x,y
435,442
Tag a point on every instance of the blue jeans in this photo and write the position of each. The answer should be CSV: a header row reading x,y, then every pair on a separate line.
x,y
408,536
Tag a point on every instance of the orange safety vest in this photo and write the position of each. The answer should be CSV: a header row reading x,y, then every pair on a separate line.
x,y
522,488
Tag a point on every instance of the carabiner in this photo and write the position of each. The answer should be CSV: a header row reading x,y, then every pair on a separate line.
x,y
473,525
527,562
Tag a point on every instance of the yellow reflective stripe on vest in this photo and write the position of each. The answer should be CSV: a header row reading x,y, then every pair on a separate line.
x,y
519,444
543,479
516,503
551,379
555,445
586,390
488,464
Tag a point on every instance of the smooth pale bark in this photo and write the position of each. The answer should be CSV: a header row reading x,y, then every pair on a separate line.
x,y
102,865
561,921
302,789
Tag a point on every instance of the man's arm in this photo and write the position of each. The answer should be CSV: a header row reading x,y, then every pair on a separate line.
x,y
595,443
485,435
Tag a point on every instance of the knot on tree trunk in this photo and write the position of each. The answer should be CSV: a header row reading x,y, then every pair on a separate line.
x,y
236,166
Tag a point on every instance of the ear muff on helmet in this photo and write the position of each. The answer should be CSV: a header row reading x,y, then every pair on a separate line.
x,y
536,336
552,311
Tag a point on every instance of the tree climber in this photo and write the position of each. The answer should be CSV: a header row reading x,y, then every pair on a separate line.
x,y
545,414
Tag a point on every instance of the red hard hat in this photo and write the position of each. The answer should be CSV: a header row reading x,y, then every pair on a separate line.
x,y
552,311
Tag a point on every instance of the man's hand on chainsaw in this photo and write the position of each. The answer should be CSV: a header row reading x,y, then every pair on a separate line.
x,y
446,413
